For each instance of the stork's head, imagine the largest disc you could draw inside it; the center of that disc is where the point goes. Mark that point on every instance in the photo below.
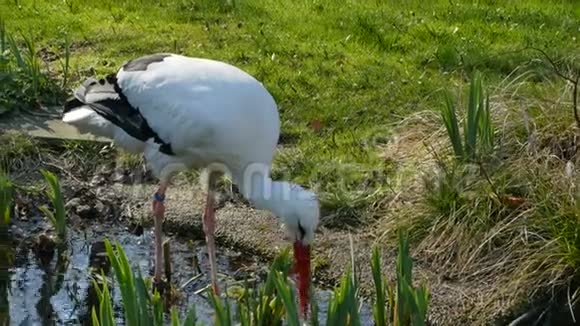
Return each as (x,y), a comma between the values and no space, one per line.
(299,212)
(300,219)
(300,216)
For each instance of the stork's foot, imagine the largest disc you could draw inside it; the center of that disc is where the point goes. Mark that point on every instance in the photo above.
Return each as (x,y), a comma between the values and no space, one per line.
(161,286)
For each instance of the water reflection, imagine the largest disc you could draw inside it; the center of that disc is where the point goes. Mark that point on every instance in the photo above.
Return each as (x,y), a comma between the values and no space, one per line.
(6,263)
(58,289)
(52,282)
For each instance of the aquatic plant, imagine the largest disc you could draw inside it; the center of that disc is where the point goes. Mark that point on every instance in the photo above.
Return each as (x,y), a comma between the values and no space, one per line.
(409,304)
(140,307)
(273,301)
(6,190)
(58,217)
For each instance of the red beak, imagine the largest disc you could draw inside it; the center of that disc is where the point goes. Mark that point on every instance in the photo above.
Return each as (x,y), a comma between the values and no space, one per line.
(302,268)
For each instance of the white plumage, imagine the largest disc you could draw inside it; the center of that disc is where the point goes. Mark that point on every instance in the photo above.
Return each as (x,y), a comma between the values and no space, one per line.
(183,112)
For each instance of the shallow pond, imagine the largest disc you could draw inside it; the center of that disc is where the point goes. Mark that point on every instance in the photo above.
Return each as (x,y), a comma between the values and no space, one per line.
(59,291)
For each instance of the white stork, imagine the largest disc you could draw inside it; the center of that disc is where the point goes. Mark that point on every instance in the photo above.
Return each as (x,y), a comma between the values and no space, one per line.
(183,112)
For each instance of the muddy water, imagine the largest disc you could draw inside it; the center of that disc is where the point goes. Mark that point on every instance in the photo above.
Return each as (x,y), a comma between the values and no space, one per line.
(58,291)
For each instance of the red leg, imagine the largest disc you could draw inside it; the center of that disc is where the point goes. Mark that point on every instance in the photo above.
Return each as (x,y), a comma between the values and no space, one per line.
(158,214)
(209,229)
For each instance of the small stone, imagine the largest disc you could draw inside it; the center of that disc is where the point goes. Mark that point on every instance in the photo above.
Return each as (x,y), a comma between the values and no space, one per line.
(44,247)
(84,211)
(101,192)
(104,169)
(118,176)
(97,180)
(17,232)
(221,199)
(100,208)
(73,203)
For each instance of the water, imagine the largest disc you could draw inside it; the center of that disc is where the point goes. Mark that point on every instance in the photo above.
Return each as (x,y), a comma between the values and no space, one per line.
(59,291)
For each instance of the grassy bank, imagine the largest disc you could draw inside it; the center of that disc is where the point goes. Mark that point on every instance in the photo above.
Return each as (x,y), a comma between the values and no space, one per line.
(356,68)
(360,86)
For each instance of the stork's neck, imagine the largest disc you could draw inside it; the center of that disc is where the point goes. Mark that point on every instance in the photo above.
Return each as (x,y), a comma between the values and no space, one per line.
(279,197)
(296,207)
(266,194)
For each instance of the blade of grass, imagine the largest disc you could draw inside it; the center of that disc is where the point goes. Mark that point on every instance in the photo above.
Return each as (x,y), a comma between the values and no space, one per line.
(287,294)
(379,304)
(449,117)
(471,124)
(6,193)
(191,318)
(143,300)
(16,53)
(66,65)
(221,316)
(174,317)
(95,318)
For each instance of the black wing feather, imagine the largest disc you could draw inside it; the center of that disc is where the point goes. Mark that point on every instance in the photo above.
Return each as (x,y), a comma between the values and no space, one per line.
(106,98)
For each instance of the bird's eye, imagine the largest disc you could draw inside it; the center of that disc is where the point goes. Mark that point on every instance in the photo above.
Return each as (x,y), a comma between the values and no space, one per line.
(302,231)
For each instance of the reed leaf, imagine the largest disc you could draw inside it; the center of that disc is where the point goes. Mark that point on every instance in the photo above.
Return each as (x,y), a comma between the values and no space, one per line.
(58,216)
(105,314)
(287,294)
(449,117)
(379,305)
(126,283)
(6,193)
(191,317)
(157,303)
(478,130)
(66,64)
(313,308)
(174,317)
(471,123)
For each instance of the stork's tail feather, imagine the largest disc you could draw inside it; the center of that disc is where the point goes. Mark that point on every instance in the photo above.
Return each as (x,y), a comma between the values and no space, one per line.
(79,109)
(81,92)
(79,96)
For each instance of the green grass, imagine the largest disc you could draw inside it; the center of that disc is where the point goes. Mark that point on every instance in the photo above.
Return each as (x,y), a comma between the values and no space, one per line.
(356,67)
(365,72)
(26,85)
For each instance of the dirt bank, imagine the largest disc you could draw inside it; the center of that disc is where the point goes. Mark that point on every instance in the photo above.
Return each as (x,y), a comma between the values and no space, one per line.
(98,192)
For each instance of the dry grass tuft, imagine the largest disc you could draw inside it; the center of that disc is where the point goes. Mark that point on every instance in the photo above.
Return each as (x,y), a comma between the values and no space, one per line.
(507,225)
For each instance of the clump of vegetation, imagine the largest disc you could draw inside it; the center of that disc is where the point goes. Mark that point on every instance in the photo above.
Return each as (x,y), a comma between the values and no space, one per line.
(406,305)
(272,302)
(15,150)
(478,130)
(140,307)
(25,84)
(58,216)
(503,208)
